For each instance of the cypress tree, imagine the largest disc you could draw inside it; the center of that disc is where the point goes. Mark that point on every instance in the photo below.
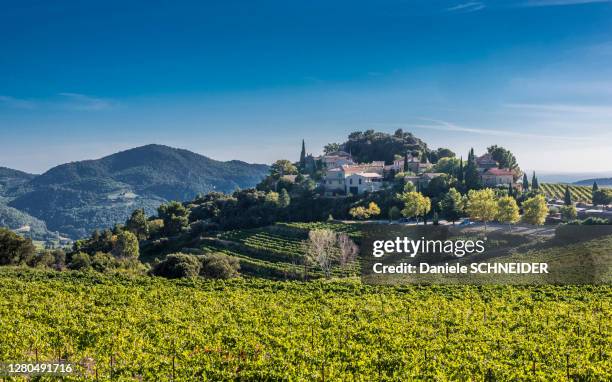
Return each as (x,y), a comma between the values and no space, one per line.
(460,174)
(406,162)
(472,178)
(423,157)
(303,156)
(525,183)
(567,198)
(594,191)
(534,182)
(510,190)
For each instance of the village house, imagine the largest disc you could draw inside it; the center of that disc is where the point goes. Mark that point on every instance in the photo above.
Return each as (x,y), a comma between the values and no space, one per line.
(491,175)
(413,164)
(336,159)
(497,176)
(485,162)
(354,178)
(422,181)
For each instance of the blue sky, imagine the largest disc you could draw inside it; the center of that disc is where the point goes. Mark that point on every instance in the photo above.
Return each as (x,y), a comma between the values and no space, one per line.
(249,79)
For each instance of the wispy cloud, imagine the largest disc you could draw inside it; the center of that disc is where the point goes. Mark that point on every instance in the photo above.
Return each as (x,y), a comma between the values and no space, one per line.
(62,101)
(76,101)
(555,3)
(436,124)
(16,103)
(471,6)
(563,108)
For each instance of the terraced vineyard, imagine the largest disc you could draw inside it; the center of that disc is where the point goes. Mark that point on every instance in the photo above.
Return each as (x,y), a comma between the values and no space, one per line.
(276,251)
(557,191)
(152,329)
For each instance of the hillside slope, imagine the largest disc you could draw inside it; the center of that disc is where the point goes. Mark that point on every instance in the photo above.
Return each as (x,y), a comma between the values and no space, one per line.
(11,179)
(602,182)
(75,198)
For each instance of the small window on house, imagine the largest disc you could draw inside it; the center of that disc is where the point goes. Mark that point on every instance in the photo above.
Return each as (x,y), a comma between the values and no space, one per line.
(351,181)
(359,181)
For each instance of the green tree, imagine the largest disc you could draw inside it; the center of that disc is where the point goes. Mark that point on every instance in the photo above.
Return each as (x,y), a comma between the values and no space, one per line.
(482,206)
(568,212)
(178,265)
(503,157)
(80,261)
(284,200)
(14,249)
(102,262)
(272,198)
(126,245)
(535,210)
(219,266)
(331,147)
(567,197)
(601,197)
(362,213)
(472,177)
(138,224)
(534,182)
(374,209)
(303,156)
(507,211)
(423,157)
(415,204)
(451,205)
(525,183)
(282,167)
(447,165)
(175,217)
(394,213)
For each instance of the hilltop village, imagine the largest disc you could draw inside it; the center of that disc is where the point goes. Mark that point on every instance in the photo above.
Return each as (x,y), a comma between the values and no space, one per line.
(338,173)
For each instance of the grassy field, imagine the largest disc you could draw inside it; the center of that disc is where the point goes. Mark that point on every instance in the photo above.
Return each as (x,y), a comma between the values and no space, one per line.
(147,328)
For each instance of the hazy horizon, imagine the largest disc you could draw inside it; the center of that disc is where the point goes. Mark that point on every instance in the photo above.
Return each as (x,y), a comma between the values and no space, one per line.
(249,81)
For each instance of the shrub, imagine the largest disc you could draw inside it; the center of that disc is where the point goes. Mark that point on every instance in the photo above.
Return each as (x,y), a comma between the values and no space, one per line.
(102,262)
(14,249)
(45,260)
(394,213)
(178,265)
(568,213)
(80,261)
(219,266)
(126,245)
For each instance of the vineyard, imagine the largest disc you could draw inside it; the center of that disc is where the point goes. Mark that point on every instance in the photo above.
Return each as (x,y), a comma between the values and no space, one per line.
(557,191)
(145,328)
(276,251)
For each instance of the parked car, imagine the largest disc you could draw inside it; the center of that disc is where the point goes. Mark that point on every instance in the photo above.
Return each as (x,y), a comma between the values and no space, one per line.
(466,222)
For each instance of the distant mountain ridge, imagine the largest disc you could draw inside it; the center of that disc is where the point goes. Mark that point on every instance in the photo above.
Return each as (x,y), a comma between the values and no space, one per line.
(10,178)
(76,198)
(603,182)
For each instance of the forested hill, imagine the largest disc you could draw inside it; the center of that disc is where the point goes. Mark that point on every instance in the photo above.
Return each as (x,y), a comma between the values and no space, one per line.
(75,198)
(10,179)
(604,182)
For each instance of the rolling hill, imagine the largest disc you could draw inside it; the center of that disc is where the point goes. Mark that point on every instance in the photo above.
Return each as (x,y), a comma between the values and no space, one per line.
(76,198)
(11,179)
(602,182)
